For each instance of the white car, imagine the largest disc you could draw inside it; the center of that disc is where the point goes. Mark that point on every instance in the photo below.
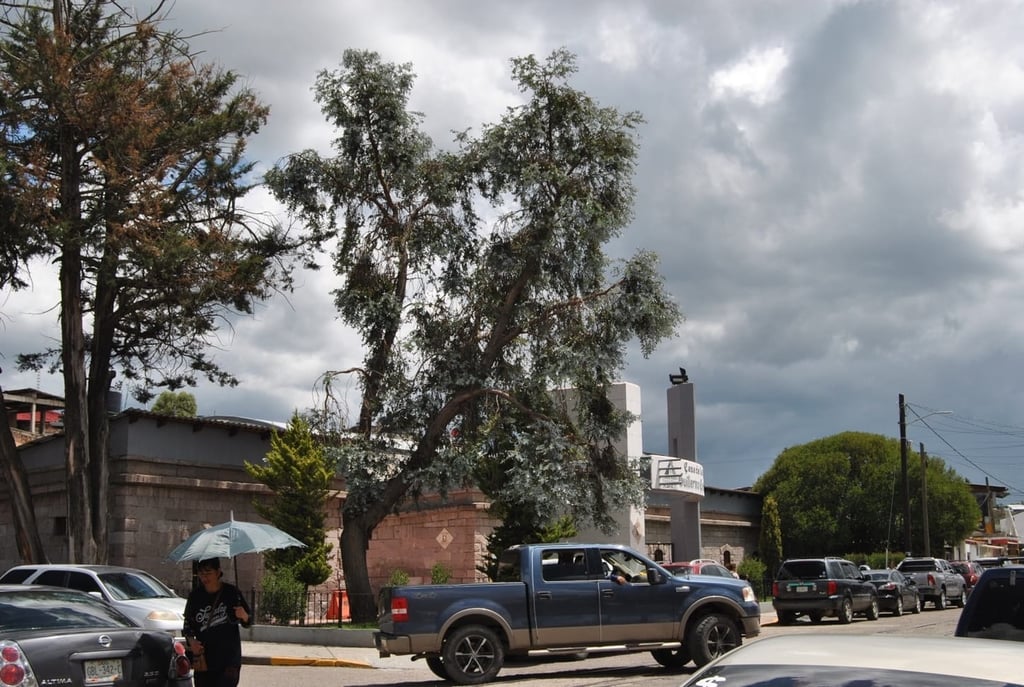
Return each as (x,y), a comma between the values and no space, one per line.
(135,593)
(866,660)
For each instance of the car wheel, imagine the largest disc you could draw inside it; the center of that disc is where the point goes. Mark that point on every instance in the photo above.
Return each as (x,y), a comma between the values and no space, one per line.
(436,666)
(472,655)
(940,601)
(845,613)
(872,612)
(671,658)
(787,618)
(815,616)
(898,611)
(962,599)
(712,636)
(917,604)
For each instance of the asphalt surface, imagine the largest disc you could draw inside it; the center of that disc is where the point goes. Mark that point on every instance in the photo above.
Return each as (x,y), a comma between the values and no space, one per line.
(286,654)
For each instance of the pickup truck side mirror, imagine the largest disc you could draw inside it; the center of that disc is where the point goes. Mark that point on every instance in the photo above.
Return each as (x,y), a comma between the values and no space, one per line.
(654,576)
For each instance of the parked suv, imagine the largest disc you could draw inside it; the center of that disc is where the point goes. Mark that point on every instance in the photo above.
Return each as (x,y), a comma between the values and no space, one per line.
(819,587)
(970,571)
(136,593)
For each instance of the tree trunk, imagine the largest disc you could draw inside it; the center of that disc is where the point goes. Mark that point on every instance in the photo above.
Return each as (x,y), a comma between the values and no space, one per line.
(26,530)
(355,540)
(100,378)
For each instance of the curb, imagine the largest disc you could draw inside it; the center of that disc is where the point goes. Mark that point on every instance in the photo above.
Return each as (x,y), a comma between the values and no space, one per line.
(293,661)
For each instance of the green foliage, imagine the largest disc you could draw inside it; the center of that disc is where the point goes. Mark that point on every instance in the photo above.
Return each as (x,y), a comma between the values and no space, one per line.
(751,568)
(440,573)
(841,493)
(398,578)
(180,404)
(284,597)
(478,282)
(299,472)
(770,539)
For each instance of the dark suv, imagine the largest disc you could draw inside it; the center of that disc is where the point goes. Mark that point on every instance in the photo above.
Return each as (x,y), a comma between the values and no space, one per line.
(819,587)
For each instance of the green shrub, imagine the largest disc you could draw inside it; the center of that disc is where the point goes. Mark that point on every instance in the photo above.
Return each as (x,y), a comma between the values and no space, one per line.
(440,574)
(398,578)
(751,568)
(284,597)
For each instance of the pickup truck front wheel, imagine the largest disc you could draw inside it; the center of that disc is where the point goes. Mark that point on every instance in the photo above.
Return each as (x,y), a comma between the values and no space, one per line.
(436,666)
(712,636)
(472,655)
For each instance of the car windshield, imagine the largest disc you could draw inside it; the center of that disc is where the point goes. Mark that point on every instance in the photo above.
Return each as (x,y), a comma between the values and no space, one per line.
(54,610)
(130,585)
(802,570)
(879,576)
(917,566)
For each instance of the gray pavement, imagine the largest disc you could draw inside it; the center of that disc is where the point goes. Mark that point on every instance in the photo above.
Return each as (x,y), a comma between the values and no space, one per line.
(312,653)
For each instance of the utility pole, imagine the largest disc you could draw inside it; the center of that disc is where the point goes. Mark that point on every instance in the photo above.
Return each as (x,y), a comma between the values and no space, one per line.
(924,501)
(906,482)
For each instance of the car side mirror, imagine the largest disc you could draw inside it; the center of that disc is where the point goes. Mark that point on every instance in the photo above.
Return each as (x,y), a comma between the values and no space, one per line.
(654,576)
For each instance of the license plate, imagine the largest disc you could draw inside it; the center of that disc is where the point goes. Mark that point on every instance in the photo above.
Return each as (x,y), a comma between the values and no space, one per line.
(102,671)
(801,587)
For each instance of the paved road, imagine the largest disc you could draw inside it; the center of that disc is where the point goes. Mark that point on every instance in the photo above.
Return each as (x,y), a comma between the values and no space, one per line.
(630,670)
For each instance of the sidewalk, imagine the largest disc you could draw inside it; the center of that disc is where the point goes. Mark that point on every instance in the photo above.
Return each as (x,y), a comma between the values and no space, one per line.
(292,654)
(275,654)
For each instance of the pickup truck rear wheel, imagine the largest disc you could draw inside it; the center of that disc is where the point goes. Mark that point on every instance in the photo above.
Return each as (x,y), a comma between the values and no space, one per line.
(712,636)
(940,600)
(672,658)
(472,655)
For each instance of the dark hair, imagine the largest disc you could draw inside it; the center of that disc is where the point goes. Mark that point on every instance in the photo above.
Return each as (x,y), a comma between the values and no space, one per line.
(209,564)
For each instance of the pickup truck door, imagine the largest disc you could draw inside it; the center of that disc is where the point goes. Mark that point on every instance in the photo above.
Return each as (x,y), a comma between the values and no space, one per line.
(565,599)
(636,611)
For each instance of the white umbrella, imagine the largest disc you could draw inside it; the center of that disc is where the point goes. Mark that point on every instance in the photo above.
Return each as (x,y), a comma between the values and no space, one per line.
(230,539)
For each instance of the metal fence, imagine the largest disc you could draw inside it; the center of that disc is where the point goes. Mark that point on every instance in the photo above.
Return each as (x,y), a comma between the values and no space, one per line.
(308,608)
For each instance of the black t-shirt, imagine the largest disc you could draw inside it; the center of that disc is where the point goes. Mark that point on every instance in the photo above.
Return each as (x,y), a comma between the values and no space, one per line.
(210,618)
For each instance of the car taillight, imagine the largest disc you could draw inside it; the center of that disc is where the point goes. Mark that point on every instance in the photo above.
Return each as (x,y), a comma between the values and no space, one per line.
(775,588)
(181,666)
(14,668)
(833,587)
(931,580)
(399,609)
(888,586)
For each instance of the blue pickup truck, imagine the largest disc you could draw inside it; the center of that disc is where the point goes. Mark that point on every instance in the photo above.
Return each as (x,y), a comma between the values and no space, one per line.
(566,599)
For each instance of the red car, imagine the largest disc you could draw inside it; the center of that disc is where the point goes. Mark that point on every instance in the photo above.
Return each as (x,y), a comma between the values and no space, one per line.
(699,566)
(969,570)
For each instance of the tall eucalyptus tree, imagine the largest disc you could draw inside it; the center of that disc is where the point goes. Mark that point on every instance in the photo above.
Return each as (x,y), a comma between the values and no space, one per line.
(478,280)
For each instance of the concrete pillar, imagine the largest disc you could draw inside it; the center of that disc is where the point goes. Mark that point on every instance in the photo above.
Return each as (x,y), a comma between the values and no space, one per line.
(682,443)
(630,527)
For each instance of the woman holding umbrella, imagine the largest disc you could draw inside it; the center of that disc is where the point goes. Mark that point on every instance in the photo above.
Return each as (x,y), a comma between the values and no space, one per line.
(213,612)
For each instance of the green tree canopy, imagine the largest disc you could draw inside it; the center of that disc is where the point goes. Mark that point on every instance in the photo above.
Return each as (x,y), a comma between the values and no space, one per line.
(841,494)
(178,404)
(299,472)
(479,282)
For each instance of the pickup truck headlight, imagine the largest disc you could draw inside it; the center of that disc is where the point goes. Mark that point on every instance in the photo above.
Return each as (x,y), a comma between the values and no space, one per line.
(748,593)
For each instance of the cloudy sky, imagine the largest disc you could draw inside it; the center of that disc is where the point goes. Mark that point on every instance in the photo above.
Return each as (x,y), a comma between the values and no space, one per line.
(834,189)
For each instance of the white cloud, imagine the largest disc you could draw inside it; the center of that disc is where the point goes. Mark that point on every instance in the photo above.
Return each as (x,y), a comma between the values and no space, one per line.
(755,76)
